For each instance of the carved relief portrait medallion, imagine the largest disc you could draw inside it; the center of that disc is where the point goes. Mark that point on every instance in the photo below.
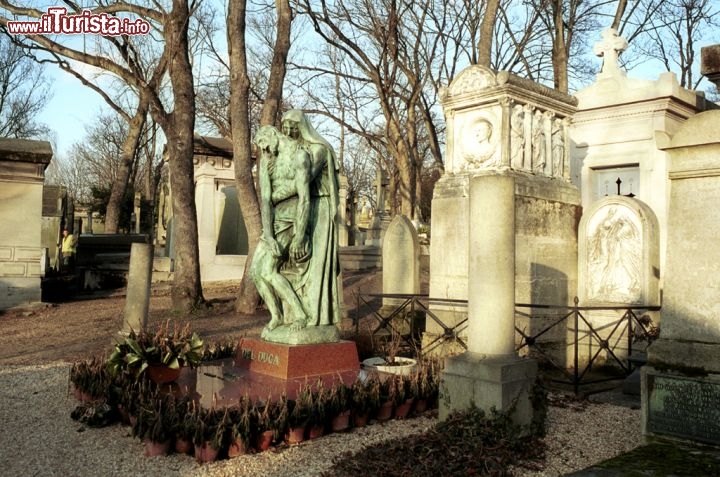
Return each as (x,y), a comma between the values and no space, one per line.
(478,142)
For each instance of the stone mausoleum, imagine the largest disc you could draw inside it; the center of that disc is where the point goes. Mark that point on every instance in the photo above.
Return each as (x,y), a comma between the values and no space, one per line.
(23,259)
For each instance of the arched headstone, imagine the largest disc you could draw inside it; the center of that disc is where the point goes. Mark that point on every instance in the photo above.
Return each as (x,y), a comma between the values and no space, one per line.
(401,258)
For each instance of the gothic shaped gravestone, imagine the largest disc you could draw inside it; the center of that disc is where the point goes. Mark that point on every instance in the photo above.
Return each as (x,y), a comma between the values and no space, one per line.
(618,264)
(401,259)
(619,253)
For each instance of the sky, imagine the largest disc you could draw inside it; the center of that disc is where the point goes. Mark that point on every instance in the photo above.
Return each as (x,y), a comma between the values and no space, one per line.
(72,107)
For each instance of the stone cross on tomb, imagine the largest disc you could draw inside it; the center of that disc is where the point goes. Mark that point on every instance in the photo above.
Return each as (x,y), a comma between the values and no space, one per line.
(380,184)
(610,48)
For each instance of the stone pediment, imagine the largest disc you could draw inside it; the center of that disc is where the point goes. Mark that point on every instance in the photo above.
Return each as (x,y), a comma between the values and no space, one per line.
(470,80)
(476,79)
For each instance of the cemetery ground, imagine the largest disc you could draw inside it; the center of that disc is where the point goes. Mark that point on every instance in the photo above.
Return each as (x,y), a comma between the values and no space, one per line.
(40,342)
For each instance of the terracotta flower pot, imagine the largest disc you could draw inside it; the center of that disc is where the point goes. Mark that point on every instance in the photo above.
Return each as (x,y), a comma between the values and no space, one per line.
(385,411)
(341,421)
(402,411)
(295,435)
(421,406)
(183,446)
(316,431)
(153,448)
(264,440)
(237,447)
(206,452)
(360,420)
(161,374)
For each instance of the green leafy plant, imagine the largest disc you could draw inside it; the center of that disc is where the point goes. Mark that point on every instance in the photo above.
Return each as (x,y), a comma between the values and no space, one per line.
(173,348)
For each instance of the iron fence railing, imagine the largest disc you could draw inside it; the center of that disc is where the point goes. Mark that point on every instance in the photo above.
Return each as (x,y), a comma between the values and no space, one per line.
(631,326)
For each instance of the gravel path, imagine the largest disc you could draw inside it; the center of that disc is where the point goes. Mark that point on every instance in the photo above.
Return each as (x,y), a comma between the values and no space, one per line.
(40,439)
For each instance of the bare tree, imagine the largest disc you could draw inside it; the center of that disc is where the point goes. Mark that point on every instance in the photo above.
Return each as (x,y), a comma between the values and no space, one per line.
(248,296)
(387,48)
(24,92)
(176,115)
(676,28)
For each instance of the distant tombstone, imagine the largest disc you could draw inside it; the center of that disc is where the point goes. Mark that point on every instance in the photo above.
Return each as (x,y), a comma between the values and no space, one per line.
(401,259)
(619,253)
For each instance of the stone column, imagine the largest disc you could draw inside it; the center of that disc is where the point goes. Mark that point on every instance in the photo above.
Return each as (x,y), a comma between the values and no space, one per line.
(137,300)
(205,203)
(491,291)
(137,210)
(489,374)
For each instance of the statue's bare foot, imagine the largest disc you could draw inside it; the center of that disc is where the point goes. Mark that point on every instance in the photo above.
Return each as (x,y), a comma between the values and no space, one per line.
(298,324)
(274,323)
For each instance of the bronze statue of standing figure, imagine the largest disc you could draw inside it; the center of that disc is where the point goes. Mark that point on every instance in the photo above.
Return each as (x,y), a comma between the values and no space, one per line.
(296,266)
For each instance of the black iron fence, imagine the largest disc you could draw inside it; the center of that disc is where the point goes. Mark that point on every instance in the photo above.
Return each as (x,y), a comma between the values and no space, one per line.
(630,325)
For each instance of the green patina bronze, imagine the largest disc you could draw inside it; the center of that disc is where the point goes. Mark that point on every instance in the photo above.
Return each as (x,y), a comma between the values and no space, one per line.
(295,266)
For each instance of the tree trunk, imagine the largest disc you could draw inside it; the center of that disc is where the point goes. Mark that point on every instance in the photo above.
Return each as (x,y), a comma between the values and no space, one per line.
(560,56)
(278,67)
(186,288)
(248,297)
(487,27)
(129,148)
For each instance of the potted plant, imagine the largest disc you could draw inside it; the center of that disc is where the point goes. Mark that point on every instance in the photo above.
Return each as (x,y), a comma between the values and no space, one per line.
(390,362)
(271,418)
(241,427)
(428,383)
(337,406)
(405,396)
(212,430)
(365,399)
(183,419)
(299,413)
(318,410)
(167,349)
(154,425)
(90,380)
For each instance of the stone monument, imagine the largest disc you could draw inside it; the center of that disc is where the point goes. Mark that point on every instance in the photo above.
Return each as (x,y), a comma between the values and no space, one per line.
(499,123)
(23,260)
(681,382)
(401,260)
(295,266)
(504,228)
(613,148)
(490,374)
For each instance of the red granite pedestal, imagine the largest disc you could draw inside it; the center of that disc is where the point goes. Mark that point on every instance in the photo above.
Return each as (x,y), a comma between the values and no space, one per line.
(263,370)
(297,361)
